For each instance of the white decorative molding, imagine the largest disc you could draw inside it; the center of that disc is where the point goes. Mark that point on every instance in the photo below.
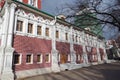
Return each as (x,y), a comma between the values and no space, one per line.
(20,12)
(31,16)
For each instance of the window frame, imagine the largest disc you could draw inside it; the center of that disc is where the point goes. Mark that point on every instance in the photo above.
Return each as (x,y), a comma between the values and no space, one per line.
(20,58)
(47,31)
(30,28)
(57,34)
(31,59)
(66,36)
(40,59)
(39,30)
(20,27)
(48,60)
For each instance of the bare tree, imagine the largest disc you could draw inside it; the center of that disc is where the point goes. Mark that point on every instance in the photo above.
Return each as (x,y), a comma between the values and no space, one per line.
(109,15)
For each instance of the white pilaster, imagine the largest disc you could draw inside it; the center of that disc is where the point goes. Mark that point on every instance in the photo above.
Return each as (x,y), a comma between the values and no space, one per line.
(7,50)
(4,39)
(11,22)
(72,52)
(55,57)
(85,56)
(98,55)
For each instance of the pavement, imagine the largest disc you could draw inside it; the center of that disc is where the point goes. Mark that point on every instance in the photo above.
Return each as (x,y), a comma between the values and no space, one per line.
(108,71)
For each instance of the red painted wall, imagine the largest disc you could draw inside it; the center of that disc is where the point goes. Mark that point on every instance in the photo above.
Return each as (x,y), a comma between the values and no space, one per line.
(39,3)
(63,47)
(25,45)
(25,1)
(78,49)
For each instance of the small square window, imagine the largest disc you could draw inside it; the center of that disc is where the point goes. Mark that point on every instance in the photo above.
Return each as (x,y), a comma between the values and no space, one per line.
(29,58)
(17,59)
(47,58)
(39,58)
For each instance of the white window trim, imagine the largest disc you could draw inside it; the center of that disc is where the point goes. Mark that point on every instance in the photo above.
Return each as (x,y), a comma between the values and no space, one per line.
(31,59)
(20,59)
(41,58)
(69,57)
(48,59)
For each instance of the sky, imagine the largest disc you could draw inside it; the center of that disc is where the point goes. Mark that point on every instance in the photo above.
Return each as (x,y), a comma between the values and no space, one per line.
(50,6)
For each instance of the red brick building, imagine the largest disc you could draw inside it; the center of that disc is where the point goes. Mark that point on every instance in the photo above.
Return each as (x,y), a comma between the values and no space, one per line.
(33,42)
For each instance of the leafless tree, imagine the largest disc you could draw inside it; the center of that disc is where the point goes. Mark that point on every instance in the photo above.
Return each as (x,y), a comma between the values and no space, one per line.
(109,15)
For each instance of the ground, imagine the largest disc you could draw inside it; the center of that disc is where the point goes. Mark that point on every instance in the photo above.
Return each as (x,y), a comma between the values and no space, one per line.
(108,71)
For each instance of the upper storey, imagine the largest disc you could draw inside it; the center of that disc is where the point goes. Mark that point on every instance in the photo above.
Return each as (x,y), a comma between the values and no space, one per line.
(34,3)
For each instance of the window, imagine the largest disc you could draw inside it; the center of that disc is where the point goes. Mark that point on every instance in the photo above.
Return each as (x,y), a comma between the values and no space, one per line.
(47,58)
(47,32)
(33,2)
(17,59)
(29,58)
(73,37)
(39,30)
(66,36)
(39,58)
(19,25)
(57,34)
(79,58)
(76,39)
(30,28)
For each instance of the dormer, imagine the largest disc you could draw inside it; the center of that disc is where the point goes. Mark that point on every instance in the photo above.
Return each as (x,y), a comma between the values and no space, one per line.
(34,3)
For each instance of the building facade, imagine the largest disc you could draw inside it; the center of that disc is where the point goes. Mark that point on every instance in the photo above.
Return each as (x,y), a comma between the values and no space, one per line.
(33,42)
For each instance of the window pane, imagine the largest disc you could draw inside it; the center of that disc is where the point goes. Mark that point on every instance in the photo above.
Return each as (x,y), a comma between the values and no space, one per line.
(39,58)
(57,34)
(30,28)
(28,58)
(66,36)
(19,25)
(39,31)
(76,39)
(47,58)
(47,32)
(17,59)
